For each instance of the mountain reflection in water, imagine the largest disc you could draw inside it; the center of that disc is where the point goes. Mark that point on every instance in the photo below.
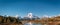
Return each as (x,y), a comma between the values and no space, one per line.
(32,23)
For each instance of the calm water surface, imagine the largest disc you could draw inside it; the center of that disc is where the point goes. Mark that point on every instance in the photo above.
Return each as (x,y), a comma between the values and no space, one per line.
(32,23)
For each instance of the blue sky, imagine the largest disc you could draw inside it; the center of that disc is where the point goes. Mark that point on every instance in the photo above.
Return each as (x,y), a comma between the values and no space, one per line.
(23,7)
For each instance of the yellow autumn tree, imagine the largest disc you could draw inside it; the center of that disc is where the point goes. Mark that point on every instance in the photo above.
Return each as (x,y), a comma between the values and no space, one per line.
(1,18)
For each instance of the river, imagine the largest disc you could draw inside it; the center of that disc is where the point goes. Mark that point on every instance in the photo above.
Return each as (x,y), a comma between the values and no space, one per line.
(32,23)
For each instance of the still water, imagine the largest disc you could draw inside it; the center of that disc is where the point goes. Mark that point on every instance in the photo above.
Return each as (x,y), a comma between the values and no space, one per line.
(32,23)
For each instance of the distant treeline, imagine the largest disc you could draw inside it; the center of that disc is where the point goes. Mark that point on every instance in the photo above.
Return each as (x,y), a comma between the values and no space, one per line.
(9,19)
